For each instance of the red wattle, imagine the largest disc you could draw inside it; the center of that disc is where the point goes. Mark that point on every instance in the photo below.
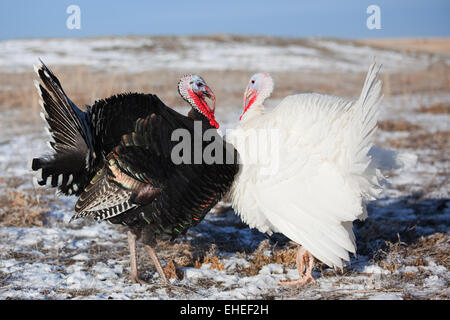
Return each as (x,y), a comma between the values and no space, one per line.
(214,123)
(204,108)
(252,100)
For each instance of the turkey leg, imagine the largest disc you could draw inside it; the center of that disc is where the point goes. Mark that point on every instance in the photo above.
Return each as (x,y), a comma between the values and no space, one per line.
(305,264)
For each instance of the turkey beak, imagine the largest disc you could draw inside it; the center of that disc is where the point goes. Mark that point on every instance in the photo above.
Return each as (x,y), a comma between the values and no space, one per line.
(248,94)
(211,99)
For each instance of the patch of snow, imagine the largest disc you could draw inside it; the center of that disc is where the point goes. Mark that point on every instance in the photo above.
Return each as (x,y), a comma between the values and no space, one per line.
(375,270)
(386,296)
(272,268)
(135,54)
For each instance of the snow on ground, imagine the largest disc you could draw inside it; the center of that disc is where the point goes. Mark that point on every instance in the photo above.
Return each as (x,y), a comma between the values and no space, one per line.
(136,54)
(90,260)
(403,246)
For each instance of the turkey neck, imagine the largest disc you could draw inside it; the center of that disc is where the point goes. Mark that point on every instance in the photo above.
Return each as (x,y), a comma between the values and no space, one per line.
(198,116)
(254,111)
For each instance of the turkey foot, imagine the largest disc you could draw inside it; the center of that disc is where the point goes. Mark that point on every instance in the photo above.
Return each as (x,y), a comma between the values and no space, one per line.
(305,264)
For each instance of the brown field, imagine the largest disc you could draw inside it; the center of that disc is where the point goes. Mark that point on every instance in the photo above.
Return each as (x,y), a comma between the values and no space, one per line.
(431,45)
(84,86)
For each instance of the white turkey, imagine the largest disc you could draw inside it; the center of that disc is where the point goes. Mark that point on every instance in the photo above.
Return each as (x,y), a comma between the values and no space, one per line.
(308,168)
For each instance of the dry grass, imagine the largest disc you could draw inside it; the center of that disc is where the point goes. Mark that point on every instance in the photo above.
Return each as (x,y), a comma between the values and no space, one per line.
(84,86)
(186,254)
(214,261)
(435,247)
(439,140)
(437,108)
(172,272)
(258,259)
(210,257)
(430,45)
(21,209)
(399,125)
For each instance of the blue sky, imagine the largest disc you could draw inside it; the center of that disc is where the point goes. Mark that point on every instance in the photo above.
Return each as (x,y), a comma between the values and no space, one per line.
(289,18)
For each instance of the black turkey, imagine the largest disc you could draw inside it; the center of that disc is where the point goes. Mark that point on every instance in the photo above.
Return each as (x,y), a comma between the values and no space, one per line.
(117,157)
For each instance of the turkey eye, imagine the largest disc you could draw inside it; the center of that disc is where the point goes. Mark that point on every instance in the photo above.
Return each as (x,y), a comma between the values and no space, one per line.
(253,81)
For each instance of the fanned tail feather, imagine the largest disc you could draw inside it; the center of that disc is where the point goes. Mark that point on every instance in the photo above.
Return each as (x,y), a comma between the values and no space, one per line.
(365,117)
(70,138)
